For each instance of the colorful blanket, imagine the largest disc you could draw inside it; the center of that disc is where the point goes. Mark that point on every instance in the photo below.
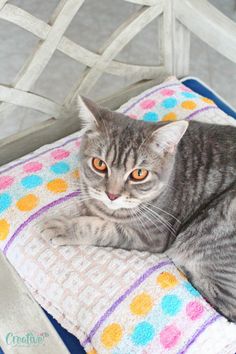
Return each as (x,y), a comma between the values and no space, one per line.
(114,301)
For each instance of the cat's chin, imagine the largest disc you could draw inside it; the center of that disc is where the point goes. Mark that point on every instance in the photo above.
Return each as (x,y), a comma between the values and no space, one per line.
(116,205)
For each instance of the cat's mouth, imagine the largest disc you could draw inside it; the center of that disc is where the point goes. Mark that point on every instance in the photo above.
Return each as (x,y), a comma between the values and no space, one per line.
(120,203)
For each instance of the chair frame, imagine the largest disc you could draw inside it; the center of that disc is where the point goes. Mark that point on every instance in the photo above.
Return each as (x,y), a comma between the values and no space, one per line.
(177,19)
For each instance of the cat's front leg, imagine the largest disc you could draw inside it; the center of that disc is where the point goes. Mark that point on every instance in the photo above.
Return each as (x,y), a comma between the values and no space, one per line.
(83,230)
(56,226)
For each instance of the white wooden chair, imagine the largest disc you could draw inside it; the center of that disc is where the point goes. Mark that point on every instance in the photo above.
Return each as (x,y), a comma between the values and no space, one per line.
(177,19)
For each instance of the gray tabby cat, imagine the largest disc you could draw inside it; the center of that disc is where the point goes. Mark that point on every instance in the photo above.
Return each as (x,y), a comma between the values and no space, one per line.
(159,187)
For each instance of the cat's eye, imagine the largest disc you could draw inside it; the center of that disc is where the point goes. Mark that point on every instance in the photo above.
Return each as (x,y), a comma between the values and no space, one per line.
(99,165)
(139,174)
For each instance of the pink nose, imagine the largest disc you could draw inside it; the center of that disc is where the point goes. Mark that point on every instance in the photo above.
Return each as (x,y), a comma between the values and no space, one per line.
(112,196)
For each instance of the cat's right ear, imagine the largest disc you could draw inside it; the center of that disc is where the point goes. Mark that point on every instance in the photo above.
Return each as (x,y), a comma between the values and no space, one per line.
(87,111)
(167,137)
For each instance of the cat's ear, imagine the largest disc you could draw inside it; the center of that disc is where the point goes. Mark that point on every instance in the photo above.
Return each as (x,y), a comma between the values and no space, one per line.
(87,111)
(167,137)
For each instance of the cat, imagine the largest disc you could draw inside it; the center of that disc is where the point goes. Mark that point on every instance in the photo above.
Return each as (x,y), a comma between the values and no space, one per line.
(158,187)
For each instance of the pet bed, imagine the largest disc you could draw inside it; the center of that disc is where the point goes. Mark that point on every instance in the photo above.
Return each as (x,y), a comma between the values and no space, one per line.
(114,301)
(176,19)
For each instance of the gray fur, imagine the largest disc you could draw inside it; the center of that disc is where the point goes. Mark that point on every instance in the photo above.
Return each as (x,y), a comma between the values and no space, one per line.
(186,208)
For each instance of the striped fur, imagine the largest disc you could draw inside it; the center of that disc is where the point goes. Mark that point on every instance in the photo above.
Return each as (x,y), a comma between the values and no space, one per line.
(187,205)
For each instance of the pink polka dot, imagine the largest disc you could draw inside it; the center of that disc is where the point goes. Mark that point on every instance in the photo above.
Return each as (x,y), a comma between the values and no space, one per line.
(60,154)
(194,310)
(6,181)
(77,143)
(133,116)
(147,104)
(185,88)
(169,336)
(32,167)
(167,92)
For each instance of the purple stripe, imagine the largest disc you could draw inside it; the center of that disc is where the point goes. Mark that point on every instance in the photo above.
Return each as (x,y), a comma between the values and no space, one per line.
(149,94)
(34,156)
(111,309)
(36,215)
(200,110)
(199,332)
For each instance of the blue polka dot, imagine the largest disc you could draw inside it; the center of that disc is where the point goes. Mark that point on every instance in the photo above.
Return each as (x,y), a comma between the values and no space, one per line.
(191,289)
(169,102)
(189,94)
(5,201)
(31,181)
(171,304)
(60,168)
(150,117)
(143,333)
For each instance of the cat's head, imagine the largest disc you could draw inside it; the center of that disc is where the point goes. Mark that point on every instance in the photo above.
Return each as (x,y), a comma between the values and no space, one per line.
(125,162)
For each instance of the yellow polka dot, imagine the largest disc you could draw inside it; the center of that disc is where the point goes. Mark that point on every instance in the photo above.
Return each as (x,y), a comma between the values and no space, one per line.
(93,351)
(169,116)
(167,280)
(111,335)
(4,229)
(57,185)
(207,100)
(188,104)
(141,304)
(76,174)
(27,203)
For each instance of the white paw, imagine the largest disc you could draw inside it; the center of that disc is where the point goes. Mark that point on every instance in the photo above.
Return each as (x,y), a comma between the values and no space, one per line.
(64,240)
(51,229)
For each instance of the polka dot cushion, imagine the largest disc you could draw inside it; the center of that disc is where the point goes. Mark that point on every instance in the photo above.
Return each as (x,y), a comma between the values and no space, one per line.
(114,301)
(173,101)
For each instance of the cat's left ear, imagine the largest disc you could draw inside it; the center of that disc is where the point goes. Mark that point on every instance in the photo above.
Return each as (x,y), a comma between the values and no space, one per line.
(87,111)
(168,137)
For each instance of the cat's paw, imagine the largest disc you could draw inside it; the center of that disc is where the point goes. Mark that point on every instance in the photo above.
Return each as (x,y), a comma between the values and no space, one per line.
(51,229)
(65,240)
(60,232)
(78,233)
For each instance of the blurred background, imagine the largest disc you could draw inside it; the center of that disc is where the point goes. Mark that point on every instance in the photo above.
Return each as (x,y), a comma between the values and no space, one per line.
(90,28)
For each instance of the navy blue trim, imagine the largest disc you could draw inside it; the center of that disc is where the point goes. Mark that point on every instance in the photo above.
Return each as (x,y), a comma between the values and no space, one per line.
(70,341)
(201,89)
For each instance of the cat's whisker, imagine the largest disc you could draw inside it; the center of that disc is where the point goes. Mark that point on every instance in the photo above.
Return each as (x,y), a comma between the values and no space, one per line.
(169,186)
(161,220)
(138,215)
(145,216)
(143,213)
(164,211)
(159,216)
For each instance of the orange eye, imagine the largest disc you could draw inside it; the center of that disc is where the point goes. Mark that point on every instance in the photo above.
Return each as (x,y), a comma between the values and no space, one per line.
(139,175)
(99,165)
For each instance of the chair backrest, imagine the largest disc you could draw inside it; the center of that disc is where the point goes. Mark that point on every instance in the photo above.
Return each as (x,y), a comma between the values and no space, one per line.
(176,19)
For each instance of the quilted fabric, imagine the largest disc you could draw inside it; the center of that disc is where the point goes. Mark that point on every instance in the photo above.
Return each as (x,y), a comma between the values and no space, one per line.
(114,301)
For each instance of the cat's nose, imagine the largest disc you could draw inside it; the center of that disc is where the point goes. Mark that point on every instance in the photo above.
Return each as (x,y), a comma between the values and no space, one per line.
(112,196)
